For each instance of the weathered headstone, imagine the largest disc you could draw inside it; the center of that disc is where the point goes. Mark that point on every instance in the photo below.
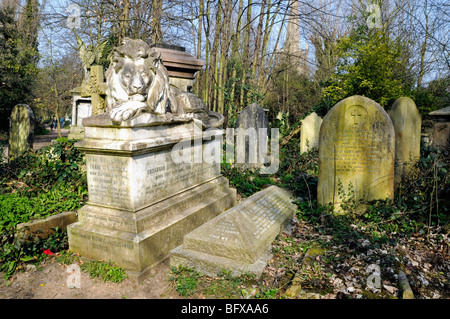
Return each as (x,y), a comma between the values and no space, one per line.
(441,128)
(356,153)
(239,240)
(251,132)
(309,136)
(407,125)
(147,185)
(21,129)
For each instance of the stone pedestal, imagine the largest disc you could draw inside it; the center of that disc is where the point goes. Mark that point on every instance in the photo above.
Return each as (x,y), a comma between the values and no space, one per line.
(142,199)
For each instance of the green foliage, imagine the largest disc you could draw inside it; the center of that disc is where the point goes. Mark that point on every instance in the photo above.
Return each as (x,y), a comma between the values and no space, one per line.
(55,166)
(15,209)
(37,185)
(291,93)
(104,270)
(18,60)
(247,182)
(371,65)
(14,252)
(185,279)
(298,172)
(433,97)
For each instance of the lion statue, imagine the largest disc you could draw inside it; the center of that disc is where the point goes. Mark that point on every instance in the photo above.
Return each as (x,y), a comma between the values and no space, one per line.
(137,82)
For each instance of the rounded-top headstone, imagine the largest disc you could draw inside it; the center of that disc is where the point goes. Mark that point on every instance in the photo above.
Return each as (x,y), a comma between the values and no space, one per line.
(21,129)
(309,137)
(356,153)
(407,125)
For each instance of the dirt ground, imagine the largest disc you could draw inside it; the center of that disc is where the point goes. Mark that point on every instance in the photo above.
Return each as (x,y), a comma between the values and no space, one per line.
(49,281)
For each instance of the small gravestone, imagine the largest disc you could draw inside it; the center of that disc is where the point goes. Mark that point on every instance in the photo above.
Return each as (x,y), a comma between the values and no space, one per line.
(441,129)
(356,153)
(21,129)
(239,240)
(309,137)
(251,126)
(407,125)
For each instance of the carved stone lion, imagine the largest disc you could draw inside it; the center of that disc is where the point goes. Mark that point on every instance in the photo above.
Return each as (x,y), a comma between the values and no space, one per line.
(137,82)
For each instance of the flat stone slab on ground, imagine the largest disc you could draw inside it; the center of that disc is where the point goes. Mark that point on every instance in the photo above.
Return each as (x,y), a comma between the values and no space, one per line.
(239,240)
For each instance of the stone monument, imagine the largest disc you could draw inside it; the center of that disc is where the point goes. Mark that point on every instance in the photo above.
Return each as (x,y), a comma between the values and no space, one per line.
(356,153)
(408,128)
(249,125)
(21,129)
(180,65)
(89,98)
(142,199)
(441,128)
(240,239)
(309,136)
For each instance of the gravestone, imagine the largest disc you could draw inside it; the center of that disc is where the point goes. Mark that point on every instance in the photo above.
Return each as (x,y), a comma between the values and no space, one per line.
(21,129)
(356,153)
(441,128)
(251,132)
(407,125)
(239,240)
(147,186)
(309,136)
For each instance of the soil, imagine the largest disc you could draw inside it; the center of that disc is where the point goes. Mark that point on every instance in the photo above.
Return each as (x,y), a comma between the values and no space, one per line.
(49,281)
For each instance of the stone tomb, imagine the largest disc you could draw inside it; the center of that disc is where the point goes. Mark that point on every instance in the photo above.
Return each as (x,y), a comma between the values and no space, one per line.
(238,240)
(407,125)
(141,201)
(309,137)
(21,129)
(356,153)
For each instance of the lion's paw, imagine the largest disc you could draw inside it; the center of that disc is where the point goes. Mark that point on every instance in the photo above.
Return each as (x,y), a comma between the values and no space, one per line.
(126,111)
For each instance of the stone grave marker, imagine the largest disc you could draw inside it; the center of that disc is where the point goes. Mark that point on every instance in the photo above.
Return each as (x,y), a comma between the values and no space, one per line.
(251,122)
(239,240)
(356,153)
(309,136)
(407,125)
(441,128)
(21,129)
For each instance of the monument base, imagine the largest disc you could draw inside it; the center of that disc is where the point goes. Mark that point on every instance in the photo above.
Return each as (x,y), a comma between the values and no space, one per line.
(211,265)
(76,132)
(138,241)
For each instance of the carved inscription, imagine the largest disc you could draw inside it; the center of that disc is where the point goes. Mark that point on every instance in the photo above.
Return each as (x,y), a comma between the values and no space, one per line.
(264,213)
(356,151)
(164,177)
(107,180)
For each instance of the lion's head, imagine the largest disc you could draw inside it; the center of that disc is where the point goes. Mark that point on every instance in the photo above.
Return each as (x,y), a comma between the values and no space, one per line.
(136,81)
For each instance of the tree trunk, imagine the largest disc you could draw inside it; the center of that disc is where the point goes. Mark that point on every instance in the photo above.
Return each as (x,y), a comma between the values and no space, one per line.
(245,56)
(156,21)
